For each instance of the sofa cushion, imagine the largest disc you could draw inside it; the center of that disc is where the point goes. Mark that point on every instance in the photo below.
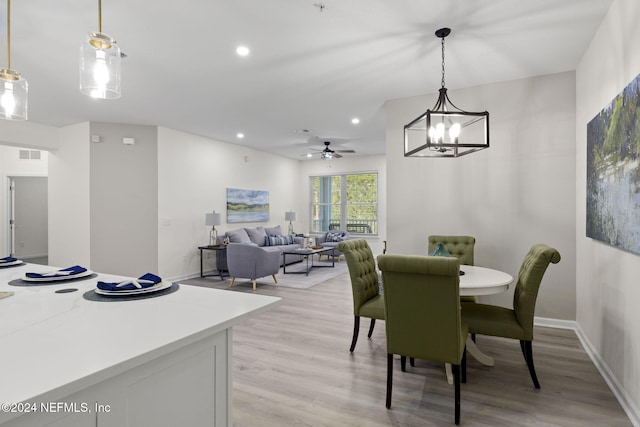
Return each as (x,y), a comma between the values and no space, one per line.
(273,231)
(257,235)
(278,240)
(335,237)
(238,236)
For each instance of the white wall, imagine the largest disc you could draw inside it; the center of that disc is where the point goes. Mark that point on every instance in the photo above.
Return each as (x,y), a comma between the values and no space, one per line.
(28,134)
(124,199)
(69,192)
(193,175)
(519,192)
(11,165)
(346,164)
(608,289)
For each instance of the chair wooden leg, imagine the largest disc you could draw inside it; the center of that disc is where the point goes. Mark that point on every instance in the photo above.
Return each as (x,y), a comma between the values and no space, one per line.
(464,365)
(403,363)
(356,329)
(528,357)
(456,381)
(233,279)
(373,323)
(275,279)
(412,361)
(254,284)
(389,378)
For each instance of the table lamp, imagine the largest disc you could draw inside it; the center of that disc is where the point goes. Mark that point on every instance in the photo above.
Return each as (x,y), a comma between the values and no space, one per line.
(290,216)
(213,219)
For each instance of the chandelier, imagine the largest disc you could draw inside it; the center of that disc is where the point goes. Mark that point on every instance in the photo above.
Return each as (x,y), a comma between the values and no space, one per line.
(446,130)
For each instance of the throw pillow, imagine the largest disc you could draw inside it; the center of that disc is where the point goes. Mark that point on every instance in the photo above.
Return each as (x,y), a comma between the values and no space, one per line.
(334,237)
(238,236)
(273,231)
(278,240)
(256,235)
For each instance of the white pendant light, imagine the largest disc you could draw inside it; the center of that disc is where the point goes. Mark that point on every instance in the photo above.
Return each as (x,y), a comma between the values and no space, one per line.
(100,64)
(13,87)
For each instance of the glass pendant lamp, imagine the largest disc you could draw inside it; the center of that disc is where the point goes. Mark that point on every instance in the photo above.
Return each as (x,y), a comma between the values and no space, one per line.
(100,60)
(13,87)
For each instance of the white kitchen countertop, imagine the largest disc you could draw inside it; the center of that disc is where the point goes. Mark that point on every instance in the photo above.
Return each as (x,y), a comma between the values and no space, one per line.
(52,345)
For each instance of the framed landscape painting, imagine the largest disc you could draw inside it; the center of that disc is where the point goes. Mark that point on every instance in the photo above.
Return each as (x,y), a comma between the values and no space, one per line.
(613,172)
(247,205)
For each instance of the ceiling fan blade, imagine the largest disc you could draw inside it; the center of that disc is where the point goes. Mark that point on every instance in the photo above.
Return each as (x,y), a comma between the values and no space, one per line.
(345,151)
(336,155)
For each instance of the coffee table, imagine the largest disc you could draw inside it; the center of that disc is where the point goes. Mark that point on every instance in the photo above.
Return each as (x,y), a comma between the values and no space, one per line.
(307,253)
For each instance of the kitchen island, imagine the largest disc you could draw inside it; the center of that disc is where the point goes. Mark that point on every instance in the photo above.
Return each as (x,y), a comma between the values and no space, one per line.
(66,360)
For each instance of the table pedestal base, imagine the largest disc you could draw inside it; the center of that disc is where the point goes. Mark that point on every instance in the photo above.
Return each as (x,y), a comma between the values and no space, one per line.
(474,351)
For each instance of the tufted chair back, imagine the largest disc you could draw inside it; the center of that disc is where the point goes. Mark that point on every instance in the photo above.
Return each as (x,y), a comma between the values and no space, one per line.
(530,276)
(362,270)
(458,246)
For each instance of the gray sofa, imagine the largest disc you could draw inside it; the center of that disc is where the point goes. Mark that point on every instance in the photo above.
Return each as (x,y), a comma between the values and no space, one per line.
(257,244)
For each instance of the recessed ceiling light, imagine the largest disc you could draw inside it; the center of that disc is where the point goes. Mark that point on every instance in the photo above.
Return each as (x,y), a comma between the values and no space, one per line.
(240,135)
(355,120)
(242,50)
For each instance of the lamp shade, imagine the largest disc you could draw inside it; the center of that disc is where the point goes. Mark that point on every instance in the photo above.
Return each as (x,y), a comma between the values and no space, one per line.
(213,219)
(290,216)
(100,67)
(13,95)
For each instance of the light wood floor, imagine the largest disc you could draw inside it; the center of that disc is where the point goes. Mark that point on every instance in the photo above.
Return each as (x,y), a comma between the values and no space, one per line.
(293,368)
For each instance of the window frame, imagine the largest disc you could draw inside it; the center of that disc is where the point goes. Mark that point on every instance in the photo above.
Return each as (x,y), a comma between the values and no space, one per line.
(343,204)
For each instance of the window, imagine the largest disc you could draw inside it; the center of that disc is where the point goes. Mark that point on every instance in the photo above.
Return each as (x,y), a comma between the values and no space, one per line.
(345,202)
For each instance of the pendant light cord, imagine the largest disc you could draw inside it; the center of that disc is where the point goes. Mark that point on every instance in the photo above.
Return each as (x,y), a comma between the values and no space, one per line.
(99,16)
(442,39)
(8,34)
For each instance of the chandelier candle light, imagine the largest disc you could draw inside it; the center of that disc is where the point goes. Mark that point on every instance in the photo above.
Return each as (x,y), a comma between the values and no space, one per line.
(213,219)
(100,60)
(13,87)
(446,130)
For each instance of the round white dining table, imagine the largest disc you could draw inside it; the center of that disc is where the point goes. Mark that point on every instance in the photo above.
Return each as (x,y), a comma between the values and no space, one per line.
(478,281)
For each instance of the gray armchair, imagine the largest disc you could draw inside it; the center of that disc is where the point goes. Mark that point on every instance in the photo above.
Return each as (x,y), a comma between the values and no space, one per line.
(251,262)
(326,240)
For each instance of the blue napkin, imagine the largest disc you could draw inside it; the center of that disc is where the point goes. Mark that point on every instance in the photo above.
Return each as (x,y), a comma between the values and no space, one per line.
(141,282)
(65,272)
(8,259)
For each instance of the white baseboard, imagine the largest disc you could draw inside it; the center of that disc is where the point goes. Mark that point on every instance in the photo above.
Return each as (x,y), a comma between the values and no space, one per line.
(33,256)
(618,391)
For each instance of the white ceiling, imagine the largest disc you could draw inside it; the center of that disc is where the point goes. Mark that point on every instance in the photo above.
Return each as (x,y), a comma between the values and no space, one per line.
(307,69)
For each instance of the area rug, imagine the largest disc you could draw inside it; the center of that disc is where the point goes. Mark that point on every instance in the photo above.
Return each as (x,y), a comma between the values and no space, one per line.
(297,281)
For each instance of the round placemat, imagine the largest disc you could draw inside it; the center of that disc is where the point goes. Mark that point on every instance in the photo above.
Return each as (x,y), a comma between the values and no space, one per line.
(20,282)
(13,265)
(93,296)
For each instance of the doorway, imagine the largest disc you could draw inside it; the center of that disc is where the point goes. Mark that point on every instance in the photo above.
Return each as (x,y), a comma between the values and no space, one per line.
(28,218)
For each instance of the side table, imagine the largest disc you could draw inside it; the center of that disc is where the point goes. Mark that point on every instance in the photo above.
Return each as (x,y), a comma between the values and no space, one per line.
(211,248)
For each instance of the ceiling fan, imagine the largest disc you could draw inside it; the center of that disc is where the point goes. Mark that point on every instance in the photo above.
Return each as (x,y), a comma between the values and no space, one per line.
(328,153)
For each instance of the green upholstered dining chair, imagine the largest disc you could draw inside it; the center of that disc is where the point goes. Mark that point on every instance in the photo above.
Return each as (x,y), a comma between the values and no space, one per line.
(458,246)
(367,300)
(516,323)
(422,314)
